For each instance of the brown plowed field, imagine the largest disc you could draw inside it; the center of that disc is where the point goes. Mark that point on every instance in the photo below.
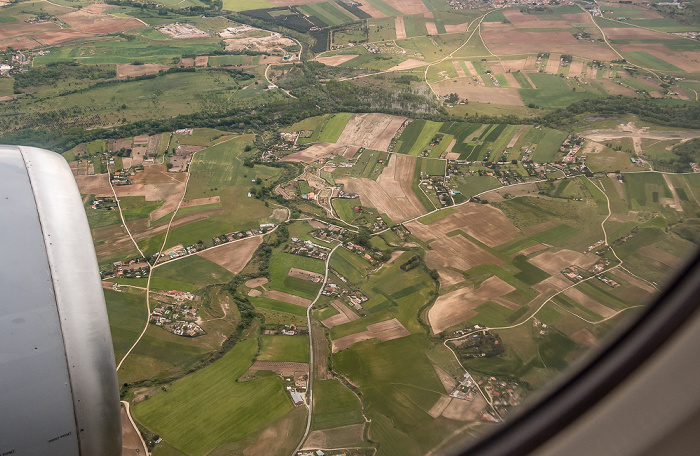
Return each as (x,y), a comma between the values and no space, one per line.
(16,29)
(350,436)
(18,42)
(458,28)
(481,221)
(552,64)
(520,20)
(505,39)
(480,94)
(589,303)
(584,337)
(460,305)
(201,61)
(554,262)
(459,69)
(280,367)
(131,443)
(125,70)
(59,36)
(463,410)
(384,330)
(99,8)
(686,60)
(440,406)
(286,297)
(511,81)
(97,184)
(254,283)
(391,194)
(407,65)
(315,152)
(371,10)
(400,28)
(575,69)
(513,65)
(666,258)
(634,33)
(201,201)
(305,275)
(99,23)
(578,18)
(431,27)
(371,131)
(336,60)
(233,256)
(408,7)
(344,310)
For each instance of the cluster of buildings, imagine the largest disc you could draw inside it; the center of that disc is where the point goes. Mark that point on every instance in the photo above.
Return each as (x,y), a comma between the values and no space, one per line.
(371,255)
(121,177)
(596,245)
(572,273)
(228,237)
(289,136)
(129,269)
(503,394)
(608,281)
(465,388)
(308,249)
(177,318)
(570,148)
(328,234)
(104,203)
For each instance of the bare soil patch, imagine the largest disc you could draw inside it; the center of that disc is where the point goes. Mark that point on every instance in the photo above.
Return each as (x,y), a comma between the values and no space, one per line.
(520,20)
(126,70)
(431,27)
(201,201)
(340,437)
(408,7)
(384,331)
(233,256)
(617,89)
(553,262)
(369,9)
(315,152)
(372,131)
(505,39)
(131,443)
(201,61)
(97,184)
(452,155)
(589,303)
(88,22)
(336,60)
(552,66)
(391,194)
(17,29)
(400,28)
(463,410)
(457,28)
(305,275)
(533,249)
(585,337)
(478,93)
(280,367)
(407,65)
(575,69)
(666,258)
(270,44)
(440,406)
(460,305)
(254,283)
(59,36)
(511,80)
(481,221)
(18,42)
(634,33)
(286,297)
(255,293)
(99,8)
(458,69)
(446,379)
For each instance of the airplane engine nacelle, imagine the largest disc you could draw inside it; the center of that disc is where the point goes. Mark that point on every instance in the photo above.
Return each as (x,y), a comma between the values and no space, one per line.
(59,393)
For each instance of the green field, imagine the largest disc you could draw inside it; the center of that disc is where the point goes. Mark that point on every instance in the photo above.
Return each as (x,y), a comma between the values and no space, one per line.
(127,315)
(284,348)
(279,306)
(188,274)
(646,60)
(226,60)
(333,126)
(552,92)
(334,405)
(281,263)
(185,415)
(328,12)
